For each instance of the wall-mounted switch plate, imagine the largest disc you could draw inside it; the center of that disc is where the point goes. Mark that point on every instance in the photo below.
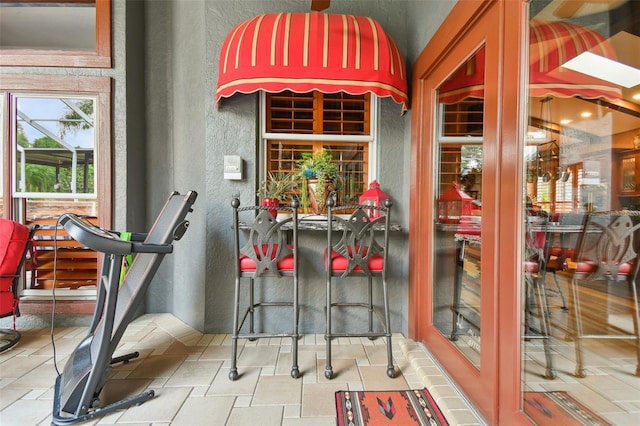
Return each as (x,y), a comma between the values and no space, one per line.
(233,167)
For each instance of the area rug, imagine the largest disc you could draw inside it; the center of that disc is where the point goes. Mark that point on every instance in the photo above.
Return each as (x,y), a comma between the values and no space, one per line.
(559,408)
(374,408)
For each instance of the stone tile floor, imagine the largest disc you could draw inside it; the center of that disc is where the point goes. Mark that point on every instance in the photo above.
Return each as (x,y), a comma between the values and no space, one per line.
(189,370)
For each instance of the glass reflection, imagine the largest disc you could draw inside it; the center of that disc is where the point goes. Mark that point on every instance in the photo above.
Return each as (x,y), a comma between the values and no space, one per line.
(580,307)
(456,299)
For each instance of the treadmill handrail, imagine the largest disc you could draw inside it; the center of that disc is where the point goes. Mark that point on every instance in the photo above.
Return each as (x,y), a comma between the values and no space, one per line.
(152,248)
(105,241)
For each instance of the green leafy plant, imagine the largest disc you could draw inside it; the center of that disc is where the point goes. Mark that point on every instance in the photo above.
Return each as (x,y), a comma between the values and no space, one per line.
(277,186)
(320,166)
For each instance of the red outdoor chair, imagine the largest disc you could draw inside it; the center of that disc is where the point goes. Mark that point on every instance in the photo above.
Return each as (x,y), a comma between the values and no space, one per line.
(15,242)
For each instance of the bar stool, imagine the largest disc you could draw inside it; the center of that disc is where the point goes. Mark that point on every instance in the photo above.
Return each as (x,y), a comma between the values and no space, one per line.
(265,253)
(608,254)
(536,242)
(358,253)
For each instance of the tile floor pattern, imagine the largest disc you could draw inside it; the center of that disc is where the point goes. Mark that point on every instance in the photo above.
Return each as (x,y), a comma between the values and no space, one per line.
(188,371)
(611,387)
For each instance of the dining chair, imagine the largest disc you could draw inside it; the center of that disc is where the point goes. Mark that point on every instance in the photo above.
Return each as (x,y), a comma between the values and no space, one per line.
(265,255)
(536,298)
(357,246)
(607,256)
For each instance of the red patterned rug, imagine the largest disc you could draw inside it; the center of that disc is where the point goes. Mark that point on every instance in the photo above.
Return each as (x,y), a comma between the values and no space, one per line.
(374,408)
(559,408)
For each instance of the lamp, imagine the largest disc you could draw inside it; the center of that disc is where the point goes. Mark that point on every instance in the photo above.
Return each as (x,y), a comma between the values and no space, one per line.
(374,196)
(453,204)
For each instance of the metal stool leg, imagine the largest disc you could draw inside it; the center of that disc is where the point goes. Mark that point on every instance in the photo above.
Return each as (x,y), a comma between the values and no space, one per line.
(636,322)
(577,330)
(545,326)
(370,282)
(233,371)
(328,371)
(252,305)
(391,371)
(295,371)
(560,292)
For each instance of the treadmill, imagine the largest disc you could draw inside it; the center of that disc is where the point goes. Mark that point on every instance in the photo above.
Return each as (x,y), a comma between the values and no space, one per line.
(77,389)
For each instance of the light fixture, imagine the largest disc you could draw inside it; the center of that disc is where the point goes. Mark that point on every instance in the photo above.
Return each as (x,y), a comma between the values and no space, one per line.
(636,97)
(565,121)
(540,132)
(604,69)
(585,114)
(537,135)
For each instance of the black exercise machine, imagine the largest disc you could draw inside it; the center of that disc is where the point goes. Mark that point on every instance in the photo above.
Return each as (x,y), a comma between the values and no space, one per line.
(78,388)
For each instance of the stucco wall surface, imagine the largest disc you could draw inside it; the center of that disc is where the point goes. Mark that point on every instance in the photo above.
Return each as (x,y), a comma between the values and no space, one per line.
(168,135)
(188,135)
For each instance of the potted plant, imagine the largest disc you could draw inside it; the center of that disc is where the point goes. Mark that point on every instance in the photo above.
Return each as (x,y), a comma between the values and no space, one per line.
(319,178)
(276,189)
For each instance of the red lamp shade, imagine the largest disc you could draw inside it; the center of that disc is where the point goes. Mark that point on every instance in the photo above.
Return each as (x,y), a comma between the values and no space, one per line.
(453,204)
(374,196)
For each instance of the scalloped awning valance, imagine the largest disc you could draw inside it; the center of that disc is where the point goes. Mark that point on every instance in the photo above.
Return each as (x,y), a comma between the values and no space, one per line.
(551,44)
(302,52)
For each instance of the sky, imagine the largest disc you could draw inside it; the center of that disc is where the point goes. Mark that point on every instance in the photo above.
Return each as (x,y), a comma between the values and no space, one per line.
(47,111)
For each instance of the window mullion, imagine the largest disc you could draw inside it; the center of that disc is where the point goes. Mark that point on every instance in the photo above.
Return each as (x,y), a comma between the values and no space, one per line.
(318,113)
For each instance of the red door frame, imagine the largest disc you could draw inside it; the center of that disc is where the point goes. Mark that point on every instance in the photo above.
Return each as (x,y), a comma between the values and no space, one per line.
(500,25)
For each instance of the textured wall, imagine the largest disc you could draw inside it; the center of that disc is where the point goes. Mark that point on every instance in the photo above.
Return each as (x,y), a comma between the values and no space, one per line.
(233,130)
(169,135)
(187,136)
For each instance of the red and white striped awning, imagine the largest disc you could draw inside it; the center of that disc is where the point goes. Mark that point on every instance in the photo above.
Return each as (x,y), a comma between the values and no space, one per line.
(552,43)
(302,52)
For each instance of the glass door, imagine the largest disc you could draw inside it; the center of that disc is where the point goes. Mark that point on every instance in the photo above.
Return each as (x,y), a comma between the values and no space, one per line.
(581,337)
(457,280)
(457,149)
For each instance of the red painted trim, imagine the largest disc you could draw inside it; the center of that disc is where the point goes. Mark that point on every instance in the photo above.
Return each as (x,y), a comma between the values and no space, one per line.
(499,26)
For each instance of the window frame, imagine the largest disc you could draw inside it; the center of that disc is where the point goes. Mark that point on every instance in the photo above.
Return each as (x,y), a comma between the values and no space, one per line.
(94,86)
(326,139)
(16,192)
(100,58)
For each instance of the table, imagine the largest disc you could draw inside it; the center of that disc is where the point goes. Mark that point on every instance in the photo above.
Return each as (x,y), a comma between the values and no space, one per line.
(319,223)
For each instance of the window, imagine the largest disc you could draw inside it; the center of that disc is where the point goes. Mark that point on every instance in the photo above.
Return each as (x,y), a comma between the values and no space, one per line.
(54,146)
(557,192)
(298,123)
(56,158)
(463,118)
(72,33)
